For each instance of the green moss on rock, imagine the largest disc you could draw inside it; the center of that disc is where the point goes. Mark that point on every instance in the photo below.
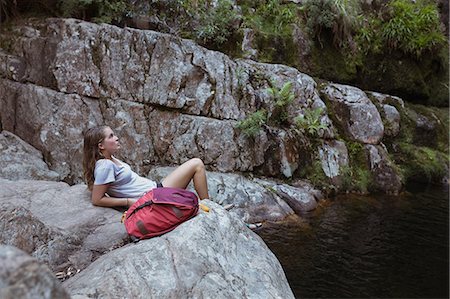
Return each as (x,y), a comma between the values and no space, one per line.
(426,161)
(421,163)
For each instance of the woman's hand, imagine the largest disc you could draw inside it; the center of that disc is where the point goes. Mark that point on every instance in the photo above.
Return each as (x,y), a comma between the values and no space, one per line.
(131,201)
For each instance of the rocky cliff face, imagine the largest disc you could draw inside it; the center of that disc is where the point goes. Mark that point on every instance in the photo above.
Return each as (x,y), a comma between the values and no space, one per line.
(170,100)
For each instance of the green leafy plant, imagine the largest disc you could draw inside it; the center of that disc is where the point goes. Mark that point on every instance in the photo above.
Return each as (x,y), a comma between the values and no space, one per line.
(209,23)
(269,17)
(102,11)
(413,27)
(310,122)
(368,37)
(422,162)
(355,151)
(282,97)
(251,125)
(241,75)
(314,173)
(339,16)
(110,10)
(356,178)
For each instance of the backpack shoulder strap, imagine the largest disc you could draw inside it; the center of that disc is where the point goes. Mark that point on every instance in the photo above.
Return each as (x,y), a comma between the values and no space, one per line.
(145,204)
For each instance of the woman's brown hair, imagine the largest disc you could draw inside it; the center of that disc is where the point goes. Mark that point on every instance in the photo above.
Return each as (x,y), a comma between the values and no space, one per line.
(91,153)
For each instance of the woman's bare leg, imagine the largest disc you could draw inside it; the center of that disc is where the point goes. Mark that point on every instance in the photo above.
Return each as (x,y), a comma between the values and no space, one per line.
(191,169)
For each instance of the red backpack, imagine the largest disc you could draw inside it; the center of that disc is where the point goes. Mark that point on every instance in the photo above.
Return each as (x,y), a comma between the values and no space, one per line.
(159,211)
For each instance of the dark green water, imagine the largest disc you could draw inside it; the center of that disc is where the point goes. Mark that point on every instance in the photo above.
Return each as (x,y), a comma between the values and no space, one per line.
(360,247)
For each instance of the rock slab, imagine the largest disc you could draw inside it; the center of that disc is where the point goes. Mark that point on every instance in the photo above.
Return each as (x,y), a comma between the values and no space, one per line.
(23,277)
(213,255)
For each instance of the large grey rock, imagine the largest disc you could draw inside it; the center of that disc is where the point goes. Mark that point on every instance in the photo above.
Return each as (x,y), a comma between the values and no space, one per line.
(356,115)
(148,67)
(19,160)
(254,200)
(213,255)
(50,121)
(131,122)
(387,99)
(333,156)
(56,223)
(392,120)
(301,198)
(177,137)
(143,66)
(23,277)
(384,174)
(388,108)
(283,153)
(303,44)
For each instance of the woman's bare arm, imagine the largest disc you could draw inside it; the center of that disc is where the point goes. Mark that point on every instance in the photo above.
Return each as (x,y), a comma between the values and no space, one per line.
(99,198)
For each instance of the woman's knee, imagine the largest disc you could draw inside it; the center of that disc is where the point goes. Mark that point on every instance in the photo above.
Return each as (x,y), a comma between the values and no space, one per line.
(198,163)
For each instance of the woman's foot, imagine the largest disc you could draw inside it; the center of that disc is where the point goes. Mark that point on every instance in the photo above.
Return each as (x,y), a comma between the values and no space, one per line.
(254,226)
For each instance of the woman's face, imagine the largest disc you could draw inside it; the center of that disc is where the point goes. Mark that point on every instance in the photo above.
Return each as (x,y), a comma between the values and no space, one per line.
(110,143)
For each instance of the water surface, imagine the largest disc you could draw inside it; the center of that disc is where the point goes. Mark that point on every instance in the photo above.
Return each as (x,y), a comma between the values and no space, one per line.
(358,246)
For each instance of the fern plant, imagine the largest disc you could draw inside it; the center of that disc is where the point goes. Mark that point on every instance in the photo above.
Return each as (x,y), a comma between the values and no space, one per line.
(310,122)
(282,97)
(251,125)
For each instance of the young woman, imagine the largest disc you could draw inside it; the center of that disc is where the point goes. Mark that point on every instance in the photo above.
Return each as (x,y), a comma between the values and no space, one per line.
(112,181)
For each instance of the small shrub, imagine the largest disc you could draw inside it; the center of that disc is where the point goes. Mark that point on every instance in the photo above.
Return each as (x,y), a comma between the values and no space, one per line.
(241,75)
(110,11)
(368,37)
(310,122)
(356,178)
(347,177)
(314,173)
(270,17)
(339,16)
(282,97)
(413,27)
(253,123)
(356,151)
(215,24)
(363,179)
(101,11)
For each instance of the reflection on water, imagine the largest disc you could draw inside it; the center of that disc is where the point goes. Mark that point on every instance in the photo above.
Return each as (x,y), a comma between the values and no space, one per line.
(357,246)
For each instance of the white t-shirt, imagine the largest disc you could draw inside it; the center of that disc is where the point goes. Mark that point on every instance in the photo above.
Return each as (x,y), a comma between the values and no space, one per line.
(123,182)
